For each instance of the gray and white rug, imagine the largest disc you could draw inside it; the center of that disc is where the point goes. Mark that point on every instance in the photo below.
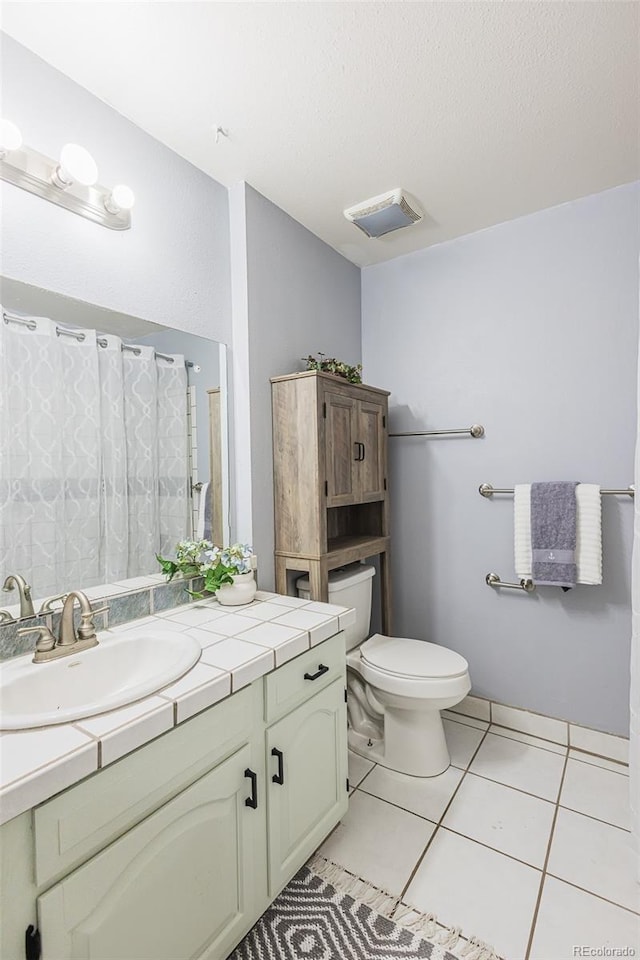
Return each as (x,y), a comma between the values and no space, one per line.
(326,913)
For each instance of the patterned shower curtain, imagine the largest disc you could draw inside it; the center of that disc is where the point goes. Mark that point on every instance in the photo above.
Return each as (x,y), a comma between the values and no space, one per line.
(93,456)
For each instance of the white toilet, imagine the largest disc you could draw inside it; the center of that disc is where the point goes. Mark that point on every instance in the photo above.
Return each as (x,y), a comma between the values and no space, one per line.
(396,686)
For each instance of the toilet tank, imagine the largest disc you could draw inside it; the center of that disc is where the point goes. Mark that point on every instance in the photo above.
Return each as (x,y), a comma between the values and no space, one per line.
(349,586)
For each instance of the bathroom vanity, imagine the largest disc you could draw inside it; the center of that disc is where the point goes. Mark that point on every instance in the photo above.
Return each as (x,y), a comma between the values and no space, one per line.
(174,849)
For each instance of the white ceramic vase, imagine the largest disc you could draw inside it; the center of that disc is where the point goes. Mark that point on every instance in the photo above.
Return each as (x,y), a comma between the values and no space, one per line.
(242,590)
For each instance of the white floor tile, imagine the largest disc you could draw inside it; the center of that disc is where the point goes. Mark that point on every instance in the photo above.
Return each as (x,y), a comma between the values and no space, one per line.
(503,818)
(532,723)
(604,744)
(527,738)
(358,769)
(378,842)
(487,894)
(598,761)
(596,857)
(569,917)
(425,796)
(519,765)
(597,792)
(462,741)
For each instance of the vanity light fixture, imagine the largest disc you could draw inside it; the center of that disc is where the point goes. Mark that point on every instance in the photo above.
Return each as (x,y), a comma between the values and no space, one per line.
(70,182)
(10,137)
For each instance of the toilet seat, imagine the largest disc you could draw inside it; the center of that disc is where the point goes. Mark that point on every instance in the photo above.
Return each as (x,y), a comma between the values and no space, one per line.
(411,668)
(412,659)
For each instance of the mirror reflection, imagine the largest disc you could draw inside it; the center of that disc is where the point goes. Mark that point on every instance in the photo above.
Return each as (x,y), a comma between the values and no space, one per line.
(112,447)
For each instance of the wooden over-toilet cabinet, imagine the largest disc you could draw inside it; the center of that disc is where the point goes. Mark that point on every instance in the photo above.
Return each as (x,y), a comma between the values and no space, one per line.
(330,480)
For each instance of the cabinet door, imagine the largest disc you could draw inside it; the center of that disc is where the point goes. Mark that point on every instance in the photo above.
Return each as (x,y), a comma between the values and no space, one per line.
(371,434)
(341,451)
(309,748)
(181,885)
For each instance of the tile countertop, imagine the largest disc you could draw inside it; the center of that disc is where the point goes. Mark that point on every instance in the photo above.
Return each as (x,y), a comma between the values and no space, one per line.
(239,645)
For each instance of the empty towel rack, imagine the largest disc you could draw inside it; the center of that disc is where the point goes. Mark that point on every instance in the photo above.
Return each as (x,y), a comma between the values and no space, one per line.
(493,580)
(486,490)
(476,430)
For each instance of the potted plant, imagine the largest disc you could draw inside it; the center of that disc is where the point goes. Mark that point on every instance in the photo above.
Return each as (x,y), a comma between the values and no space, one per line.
(227,571)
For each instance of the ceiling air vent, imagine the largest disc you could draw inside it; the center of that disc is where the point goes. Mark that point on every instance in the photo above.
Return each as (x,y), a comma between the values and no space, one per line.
(385,213)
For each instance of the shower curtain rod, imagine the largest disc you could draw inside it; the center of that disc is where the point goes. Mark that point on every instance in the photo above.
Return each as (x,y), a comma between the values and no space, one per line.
(78,335)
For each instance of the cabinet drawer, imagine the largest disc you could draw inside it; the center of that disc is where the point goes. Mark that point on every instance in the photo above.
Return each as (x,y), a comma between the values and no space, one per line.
(288,686)
(74,825)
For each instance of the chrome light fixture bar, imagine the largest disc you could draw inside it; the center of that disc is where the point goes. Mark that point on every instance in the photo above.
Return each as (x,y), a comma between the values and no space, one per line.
(70,182)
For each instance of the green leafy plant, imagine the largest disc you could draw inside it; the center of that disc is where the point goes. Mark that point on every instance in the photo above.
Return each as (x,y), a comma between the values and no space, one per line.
(338,367)
(200,558)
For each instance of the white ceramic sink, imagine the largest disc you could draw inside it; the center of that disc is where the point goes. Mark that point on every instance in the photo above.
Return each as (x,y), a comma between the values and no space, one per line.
(113,674)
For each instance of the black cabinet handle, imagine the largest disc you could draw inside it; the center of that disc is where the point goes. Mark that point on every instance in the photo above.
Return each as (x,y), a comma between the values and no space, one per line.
(279,776)
(363,451)
(314,676)
(32,945)
(252,801)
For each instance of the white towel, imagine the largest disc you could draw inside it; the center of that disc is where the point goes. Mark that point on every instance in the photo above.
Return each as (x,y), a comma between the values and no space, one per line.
(201,531)
(588,534)
(522,530)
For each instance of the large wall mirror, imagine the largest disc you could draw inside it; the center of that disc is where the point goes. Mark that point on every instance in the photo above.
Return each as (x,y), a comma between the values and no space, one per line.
(113,443)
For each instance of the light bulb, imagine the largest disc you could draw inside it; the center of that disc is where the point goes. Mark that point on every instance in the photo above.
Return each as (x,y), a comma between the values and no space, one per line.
(76,164)
(120,198)
(10,137)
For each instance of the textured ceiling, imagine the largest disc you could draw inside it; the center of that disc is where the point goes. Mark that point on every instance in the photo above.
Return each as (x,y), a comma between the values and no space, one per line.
(483,111)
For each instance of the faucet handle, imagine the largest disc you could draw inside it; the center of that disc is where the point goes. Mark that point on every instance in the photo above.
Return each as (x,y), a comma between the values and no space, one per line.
(87,628)
(46,607)
(45,642)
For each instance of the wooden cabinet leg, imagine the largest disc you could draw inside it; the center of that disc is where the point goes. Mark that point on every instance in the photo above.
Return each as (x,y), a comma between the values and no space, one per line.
(385,594)
(319,581)
(281,575)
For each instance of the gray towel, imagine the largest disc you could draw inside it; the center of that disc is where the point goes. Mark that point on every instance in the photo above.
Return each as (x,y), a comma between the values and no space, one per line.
(553,533)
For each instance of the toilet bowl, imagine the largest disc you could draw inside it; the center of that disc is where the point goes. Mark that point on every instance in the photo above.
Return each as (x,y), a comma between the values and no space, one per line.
(396,686)
(410,682)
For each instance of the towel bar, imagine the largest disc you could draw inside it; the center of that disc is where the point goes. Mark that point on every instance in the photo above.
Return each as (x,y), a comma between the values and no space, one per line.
(476,431)
(493,580)
(486,490)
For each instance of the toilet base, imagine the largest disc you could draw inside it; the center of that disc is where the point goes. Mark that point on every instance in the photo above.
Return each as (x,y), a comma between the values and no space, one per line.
(414,742)
(414,745)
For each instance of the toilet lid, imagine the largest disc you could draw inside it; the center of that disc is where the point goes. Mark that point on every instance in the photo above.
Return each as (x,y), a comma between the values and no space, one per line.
(412,658)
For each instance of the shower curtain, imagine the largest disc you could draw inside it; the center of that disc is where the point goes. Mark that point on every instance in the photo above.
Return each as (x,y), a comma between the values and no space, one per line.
(634,734)
(93,456)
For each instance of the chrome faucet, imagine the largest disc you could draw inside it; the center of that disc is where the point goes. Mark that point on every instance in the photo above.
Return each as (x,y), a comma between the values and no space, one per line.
(24,592)
(68,642)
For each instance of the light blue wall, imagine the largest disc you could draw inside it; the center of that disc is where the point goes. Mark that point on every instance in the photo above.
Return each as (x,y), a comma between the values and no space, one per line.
(530,328)
(303,297)
(171,267)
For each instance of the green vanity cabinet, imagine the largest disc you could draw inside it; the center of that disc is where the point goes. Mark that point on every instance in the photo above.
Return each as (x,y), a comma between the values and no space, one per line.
(174,851)
(307,790)
(179,884)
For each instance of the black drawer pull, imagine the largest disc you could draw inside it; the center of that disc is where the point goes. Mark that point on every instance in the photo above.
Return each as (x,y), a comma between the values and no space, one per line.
(314,676)
(279,776)
(252,801)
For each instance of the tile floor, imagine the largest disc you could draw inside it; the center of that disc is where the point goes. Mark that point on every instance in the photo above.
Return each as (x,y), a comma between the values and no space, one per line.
(521,842)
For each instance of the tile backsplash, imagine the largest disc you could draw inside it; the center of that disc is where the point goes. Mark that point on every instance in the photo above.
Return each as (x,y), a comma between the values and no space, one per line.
(123,605)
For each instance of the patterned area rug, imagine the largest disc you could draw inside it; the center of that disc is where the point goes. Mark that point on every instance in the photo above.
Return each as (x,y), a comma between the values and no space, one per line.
(326,913)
